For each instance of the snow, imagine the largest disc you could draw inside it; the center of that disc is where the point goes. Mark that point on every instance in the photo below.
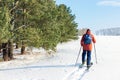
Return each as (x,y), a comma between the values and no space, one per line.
(61,65)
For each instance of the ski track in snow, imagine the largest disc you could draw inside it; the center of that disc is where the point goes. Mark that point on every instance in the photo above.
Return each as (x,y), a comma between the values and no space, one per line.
(76,74)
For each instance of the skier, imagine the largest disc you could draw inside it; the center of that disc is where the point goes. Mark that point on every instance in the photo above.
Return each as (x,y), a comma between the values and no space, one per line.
(86,43)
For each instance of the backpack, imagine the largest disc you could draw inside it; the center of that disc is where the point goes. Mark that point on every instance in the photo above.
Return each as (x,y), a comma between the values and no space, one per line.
(87,39)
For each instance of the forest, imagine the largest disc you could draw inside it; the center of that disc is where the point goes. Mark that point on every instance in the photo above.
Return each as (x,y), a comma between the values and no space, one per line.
(36,23)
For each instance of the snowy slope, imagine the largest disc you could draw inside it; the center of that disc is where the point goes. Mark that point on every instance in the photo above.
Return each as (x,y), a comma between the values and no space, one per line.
(61,66)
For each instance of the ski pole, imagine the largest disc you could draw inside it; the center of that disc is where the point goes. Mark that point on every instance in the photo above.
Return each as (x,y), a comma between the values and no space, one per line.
(95,53)
(78,56)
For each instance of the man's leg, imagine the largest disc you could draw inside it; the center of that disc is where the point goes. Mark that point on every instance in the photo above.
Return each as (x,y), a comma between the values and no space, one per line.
(83,56)
(88,59)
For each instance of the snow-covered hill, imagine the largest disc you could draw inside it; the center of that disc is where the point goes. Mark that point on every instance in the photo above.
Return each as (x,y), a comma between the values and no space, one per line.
(109,32)
(61,66)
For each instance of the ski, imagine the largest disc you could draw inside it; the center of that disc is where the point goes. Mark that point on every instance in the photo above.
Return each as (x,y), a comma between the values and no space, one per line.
(81,66)
(88,67)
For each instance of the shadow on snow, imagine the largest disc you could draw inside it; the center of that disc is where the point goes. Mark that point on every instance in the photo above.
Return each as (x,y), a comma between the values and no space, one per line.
(43,67)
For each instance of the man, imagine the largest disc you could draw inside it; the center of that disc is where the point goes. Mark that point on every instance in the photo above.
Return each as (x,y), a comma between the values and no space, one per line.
(86,42)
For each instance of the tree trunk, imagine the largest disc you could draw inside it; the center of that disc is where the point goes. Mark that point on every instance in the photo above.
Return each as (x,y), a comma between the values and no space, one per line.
(23,48)
(0,48)
(17,45)
(5,52)
(10,49)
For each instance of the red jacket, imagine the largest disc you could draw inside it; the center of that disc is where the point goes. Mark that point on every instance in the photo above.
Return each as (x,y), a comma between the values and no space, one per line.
(87,46)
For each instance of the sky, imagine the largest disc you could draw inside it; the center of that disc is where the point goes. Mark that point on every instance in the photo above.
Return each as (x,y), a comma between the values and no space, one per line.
(94,14)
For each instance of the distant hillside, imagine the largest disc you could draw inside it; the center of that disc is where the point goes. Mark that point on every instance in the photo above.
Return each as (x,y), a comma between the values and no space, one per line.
(109,31)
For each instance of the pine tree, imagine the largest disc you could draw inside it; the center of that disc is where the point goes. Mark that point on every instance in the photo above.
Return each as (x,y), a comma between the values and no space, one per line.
(66,22)
(5,28)
(37,23)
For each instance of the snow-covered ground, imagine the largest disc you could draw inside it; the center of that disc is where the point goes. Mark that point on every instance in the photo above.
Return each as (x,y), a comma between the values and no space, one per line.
(61,66)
